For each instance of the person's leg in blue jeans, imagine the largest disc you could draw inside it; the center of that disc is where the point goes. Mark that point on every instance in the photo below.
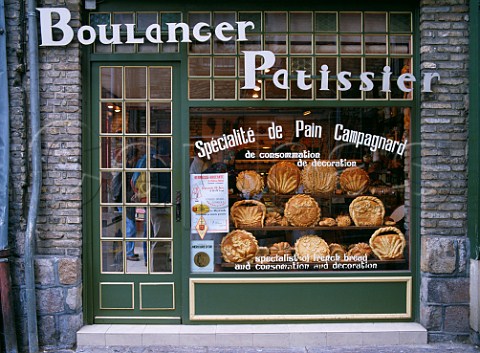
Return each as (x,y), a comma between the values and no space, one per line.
(131,233)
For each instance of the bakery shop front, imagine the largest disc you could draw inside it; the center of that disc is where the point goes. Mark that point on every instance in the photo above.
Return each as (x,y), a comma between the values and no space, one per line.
(250,165)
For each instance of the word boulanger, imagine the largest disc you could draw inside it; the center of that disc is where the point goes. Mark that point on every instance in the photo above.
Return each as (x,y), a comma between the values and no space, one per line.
(112,33)
(281,77)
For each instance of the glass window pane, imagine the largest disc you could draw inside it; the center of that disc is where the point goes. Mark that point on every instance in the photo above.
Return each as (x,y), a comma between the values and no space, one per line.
(401,45)
(375,65)
(111,118)
(221,47)
(199,89)
(255,17)
(170,17)
(199,66)
(254,42)
(224,89)
(120,18)
(196,17)
(136,117)
(160,118)
(300,22)
(124,48)
(326,22)
(200,47)
(112,256)
(224,66)
(400,22)
(111,152)
(375,44)
(145,19)
(273,92)
(148,48)
(161,188)
(375,22)
(276,43)
(329,93)
(161,256)
(297,93)
(110,193)
(161,222)
(350,22)
(161,152)
(330,62)
(301,64)
(351,44)
(229,17)
(111,82)
(160,82)
(301,44)
(135,82)
(135,148)
(111,222)
(275,22)
(326,44)
(353,65)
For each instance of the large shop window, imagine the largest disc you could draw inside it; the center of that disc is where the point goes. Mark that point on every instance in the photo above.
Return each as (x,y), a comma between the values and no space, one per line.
(277,188)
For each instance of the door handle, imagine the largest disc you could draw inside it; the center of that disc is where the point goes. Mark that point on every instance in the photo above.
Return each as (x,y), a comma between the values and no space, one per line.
(178,209)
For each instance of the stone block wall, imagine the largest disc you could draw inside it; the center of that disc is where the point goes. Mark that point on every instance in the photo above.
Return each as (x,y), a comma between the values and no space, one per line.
(58,264)
(444,292)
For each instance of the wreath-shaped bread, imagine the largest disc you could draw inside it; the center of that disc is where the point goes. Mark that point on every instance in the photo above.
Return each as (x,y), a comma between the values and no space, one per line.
(354,180)
(388,243)
(248,213)
(302,211)
(238,246)
(283,177)
(311,248)
(249,182)
(319,179)
(367,211)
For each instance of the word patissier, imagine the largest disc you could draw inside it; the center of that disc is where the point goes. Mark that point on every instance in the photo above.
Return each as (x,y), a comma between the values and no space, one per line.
(236,138)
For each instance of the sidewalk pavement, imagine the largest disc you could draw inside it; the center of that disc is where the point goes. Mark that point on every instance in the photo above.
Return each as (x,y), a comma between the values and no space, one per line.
(427,348)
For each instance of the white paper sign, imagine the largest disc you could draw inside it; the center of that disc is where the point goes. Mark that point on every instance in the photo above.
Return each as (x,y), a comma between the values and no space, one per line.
(209,203)
(202,256)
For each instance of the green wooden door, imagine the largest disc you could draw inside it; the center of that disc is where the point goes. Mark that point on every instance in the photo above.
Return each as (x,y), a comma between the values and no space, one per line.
(135,228)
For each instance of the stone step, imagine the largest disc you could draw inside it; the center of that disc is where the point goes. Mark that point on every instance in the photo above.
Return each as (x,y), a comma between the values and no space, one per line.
(258,335)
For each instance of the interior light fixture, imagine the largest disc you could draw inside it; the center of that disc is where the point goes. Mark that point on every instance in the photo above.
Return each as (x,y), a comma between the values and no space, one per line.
(110,106)
(117,110)
(307,112)
(256,89)
(255,95)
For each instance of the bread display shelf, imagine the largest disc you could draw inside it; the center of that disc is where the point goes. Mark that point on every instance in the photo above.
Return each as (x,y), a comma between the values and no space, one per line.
(335,228)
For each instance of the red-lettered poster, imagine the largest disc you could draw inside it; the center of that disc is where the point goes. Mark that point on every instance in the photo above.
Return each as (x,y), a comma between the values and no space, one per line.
(209,203)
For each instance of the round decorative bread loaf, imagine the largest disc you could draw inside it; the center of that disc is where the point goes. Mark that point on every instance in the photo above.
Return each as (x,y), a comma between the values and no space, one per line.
(280,249)
(249,182)
(387,243)
(302,211)
(337,249)
(273,219)
(238,246)
(343,221)
(367,211)
(359,249)
(354,180)
(319,179)
(248,213)
(283,178)
(311,248)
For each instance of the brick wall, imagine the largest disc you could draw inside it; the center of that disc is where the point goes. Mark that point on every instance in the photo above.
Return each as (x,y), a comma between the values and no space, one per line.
(59,230)
(444,294)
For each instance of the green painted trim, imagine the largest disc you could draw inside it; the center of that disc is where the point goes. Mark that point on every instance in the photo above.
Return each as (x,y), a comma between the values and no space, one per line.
(87,268)
(473,215)
(416,176)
